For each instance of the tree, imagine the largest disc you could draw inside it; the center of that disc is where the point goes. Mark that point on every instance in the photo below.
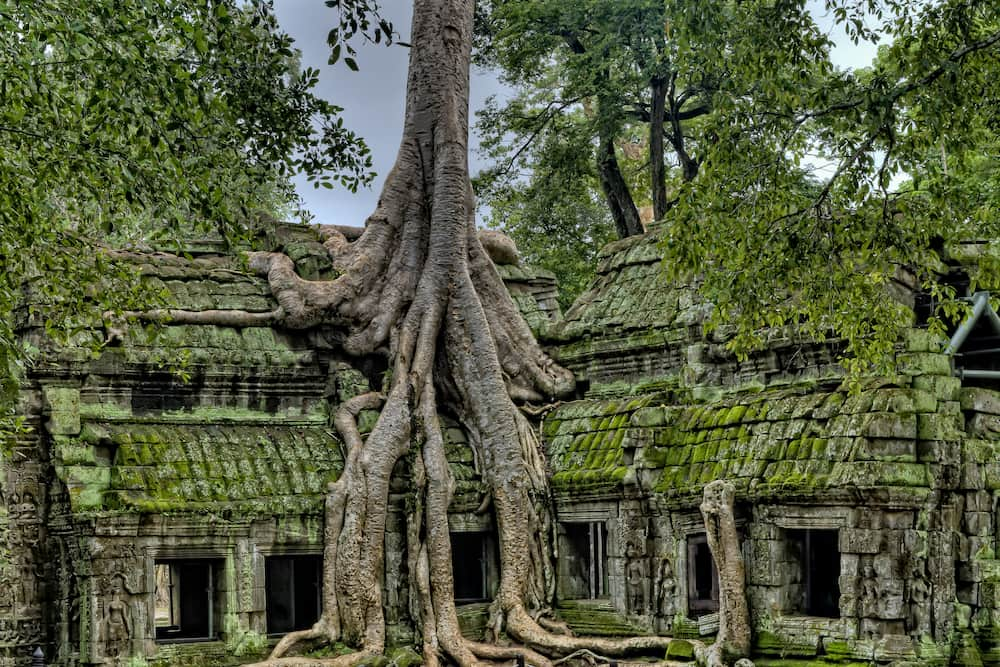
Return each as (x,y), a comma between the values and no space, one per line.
(125,121)
(557,216)
(418,287)
(645,74)
(771,252)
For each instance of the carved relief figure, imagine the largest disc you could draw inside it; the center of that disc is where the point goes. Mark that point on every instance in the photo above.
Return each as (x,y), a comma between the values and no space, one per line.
(667,589)
(29,573)
(635,580)
(116,622)
(869,593)
(919,618)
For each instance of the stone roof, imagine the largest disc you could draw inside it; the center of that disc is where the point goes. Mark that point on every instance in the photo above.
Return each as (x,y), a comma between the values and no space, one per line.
(248,430)
(632,328)
(251,469)
(795,440)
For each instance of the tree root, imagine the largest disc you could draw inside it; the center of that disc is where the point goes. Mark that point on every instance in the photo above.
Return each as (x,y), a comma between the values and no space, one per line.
(525,629)
(594,659)
(418,281)
(496,652)
(348,660)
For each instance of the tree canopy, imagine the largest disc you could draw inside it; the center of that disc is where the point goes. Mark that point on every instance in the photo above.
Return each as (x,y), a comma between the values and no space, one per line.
(616,98)
(806,190)
(125,121)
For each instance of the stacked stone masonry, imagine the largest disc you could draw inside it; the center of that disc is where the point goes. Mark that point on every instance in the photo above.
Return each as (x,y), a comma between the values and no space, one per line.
(868,518)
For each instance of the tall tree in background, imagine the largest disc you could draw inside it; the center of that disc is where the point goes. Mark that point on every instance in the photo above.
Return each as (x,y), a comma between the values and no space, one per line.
(793,198)
(615,101)
(770,252)
(634,74)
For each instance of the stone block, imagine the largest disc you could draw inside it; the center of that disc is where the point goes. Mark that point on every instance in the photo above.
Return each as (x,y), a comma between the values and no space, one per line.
(761,569)
(850,565)
(922,340)
(860,541)
(894,647)
(980,399)
(939,451)
(892,607)
(648,417)
(830,406)
(943,387)
(897,520)
(978,523)
(989,594)
(924,363)
(991,476)
(944,476)
(968,593)
(915,541)
(971,476)
(980,546)
(63,407)
(981,425)
(968,572)
(73,452)
(940,427)
(887,449)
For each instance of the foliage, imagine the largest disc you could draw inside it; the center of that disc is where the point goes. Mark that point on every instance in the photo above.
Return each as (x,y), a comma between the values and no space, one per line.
(816,190)
(637,78)
(825,258)
(555,216)
(586,76)
(129,120)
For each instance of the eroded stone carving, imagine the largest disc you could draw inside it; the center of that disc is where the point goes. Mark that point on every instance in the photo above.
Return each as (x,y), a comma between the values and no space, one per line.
(115,625)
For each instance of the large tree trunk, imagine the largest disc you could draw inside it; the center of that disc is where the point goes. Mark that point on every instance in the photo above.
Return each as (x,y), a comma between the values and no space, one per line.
(609,173)
(419,286)
(657,167)
(733,640)
(616,192)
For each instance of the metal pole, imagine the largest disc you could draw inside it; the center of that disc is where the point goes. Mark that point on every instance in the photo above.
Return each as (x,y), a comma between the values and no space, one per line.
(980,303)
(975,374)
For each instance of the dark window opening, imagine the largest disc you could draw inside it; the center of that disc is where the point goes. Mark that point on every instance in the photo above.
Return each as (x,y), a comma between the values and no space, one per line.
(584,566)
(293,585)
(472,561)
(818,555)
(187,603)
(702,576)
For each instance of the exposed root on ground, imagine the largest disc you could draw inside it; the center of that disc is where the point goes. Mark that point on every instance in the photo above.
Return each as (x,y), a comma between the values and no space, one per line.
(348,660)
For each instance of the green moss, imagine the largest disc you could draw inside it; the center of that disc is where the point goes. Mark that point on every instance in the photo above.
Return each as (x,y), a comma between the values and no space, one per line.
(404,657)
(680,650)
(596,619)
(785,662)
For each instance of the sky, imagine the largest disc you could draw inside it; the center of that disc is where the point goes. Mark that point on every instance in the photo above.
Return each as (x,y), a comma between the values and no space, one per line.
(373,98)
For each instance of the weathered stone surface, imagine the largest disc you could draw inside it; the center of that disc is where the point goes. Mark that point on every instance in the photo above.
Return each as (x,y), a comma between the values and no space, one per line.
(979,399)
(232,467)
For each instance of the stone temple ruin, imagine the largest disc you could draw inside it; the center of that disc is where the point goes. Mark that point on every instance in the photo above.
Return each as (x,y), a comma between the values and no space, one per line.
(148,520)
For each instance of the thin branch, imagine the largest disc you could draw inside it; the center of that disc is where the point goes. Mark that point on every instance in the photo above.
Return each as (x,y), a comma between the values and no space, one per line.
(546,116)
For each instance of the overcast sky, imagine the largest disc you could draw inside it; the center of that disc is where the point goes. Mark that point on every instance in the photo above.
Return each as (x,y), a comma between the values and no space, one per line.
(373,98)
